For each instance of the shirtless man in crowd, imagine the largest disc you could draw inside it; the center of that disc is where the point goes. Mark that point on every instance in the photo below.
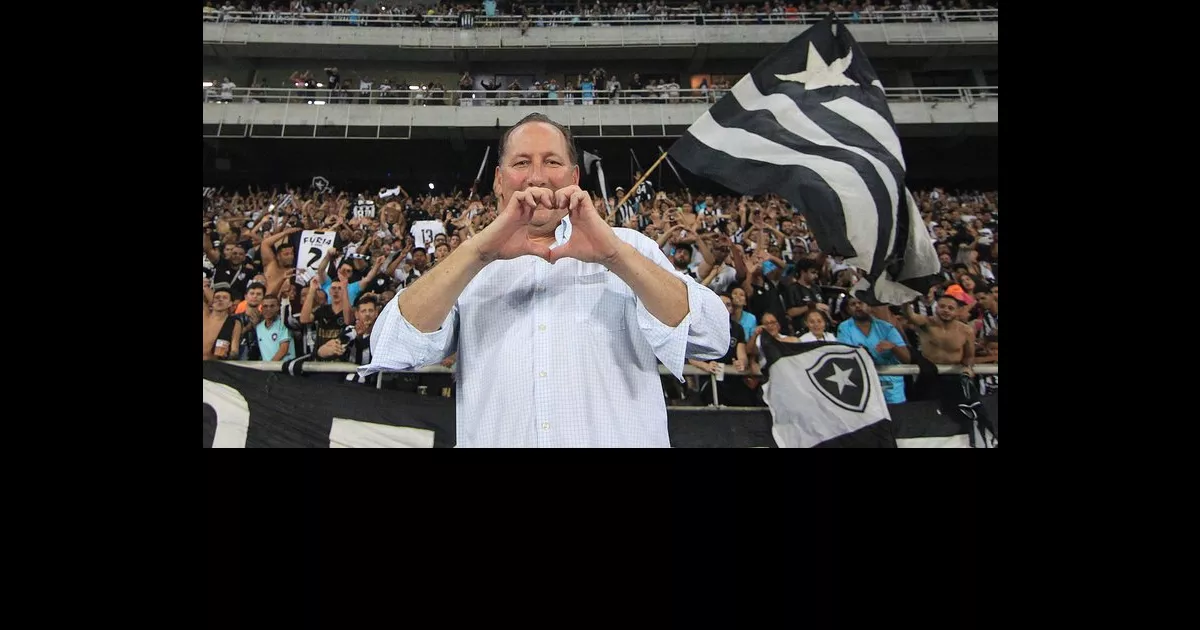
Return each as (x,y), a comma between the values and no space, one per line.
(221,330)
(947,340)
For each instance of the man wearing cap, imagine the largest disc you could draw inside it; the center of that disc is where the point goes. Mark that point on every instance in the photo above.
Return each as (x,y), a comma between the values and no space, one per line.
(881,339)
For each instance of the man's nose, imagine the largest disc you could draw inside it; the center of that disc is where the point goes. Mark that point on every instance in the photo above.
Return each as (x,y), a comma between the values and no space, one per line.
(536,176)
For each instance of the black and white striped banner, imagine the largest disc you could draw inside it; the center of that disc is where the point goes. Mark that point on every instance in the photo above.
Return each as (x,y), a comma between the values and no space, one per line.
(812,124)
(246,408)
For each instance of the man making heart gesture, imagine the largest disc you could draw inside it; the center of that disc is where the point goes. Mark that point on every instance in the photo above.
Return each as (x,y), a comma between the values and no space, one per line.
(558,319)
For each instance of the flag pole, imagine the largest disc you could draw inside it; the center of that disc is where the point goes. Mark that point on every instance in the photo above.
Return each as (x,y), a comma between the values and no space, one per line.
(644,176)
(479,175)
(676,171)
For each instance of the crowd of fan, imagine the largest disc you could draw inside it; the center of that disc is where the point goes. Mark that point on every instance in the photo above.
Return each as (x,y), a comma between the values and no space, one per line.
(579,12)
(597,86)
(758,254)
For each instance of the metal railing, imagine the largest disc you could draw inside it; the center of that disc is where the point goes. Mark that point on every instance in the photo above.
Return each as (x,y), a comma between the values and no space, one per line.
(322,95)
(669,16)
(342,367)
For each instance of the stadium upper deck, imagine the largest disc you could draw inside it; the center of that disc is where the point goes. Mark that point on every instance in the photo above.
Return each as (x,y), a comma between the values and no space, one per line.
(678,32)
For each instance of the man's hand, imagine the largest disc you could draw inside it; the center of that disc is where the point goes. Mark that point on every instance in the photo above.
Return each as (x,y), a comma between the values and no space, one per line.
(506,238)
(330,349)
(253,315)
(884,346)
(592,240)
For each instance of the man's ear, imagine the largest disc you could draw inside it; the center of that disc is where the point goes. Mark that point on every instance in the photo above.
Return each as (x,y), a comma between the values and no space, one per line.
(496,185)
(575,176)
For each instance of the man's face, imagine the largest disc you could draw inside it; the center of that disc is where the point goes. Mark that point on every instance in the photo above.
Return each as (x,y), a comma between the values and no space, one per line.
(728,303)
(947,309)
(254,296)
(286,257)
(720,253)
(270,307)
(237,255)
(337,291)
(441,251)
(221,301)
(366,313)
(420,258)
(344,271)
(439,239)
(536,155)
(455,241)
(227,250)
(682,257)
(859,310)
(944,258)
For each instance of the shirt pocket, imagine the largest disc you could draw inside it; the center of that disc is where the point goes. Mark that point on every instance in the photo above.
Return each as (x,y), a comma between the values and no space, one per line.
(600,302)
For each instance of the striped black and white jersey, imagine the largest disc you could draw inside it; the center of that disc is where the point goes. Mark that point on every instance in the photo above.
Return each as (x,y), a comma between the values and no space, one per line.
(625,212)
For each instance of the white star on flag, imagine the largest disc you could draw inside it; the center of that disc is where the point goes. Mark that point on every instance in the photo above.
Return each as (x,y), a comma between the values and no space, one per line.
(841,378)
(818,74)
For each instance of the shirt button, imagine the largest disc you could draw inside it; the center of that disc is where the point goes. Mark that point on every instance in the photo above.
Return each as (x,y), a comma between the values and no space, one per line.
(545,426)
(542,374)
(541,327)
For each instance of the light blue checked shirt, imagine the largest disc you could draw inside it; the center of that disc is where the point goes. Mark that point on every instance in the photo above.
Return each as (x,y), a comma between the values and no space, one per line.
(561,355)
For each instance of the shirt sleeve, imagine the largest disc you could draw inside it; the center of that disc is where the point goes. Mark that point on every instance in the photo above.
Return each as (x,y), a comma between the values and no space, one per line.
(843,334)
(397,345)
(894,336)
(704,332)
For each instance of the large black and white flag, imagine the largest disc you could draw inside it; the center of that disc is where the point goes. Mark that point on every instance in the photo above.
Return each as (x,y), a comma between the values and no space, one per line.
(811,123)
(825,395)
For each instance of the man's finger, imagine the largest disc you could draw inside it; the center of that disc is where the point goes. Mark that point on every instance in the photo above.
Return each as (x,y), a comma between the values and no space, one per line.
(577,200)
(546,196)
(562,198)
